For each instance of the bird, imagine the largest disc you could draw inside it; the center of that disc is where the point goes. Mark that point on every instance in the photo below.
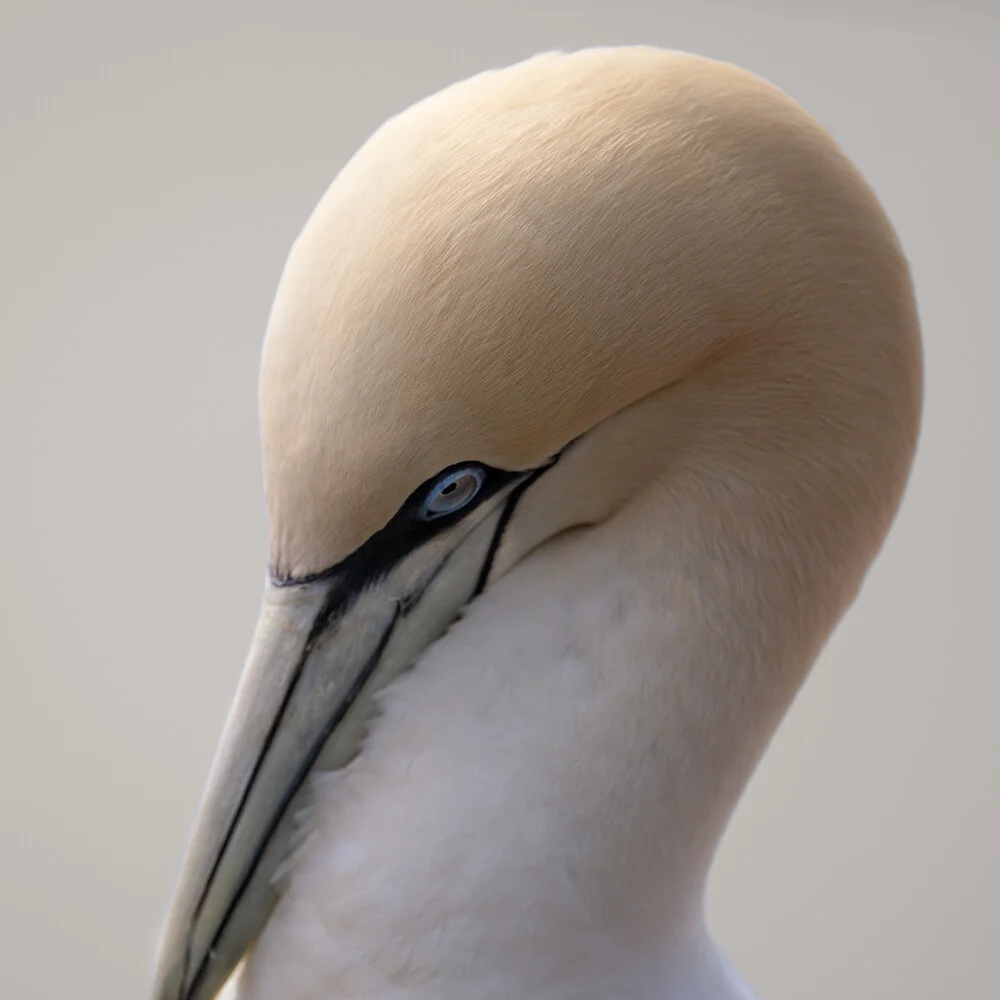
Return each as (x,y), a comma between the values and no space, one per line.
(588,396)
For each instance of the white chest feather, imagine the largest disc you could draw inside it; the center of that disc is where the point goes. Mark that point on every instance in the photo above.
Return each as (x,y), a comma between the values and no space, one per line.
(509,829)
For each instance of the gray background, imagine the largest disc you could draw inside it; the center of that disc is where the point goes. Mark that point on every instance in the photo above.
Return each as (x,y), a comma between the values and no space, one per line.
(157,162)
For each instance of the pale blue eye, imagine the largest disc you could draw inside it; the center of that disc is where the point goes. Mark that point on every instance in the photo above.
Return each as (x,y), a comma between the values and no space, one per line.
(452,492)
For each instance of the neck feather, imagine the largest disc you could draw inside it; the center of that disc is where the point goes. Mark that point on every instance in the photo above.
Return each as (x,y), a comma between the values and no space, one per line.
(537,807)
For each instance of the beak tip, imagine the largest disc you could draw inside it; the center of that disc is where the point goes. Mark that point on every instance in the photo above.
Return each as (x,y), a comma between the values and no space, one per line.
(169,968)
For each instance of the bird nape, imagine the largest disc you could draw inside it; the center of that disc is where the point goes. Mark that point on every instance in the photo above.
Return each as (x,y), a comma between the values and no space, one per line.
(589,393)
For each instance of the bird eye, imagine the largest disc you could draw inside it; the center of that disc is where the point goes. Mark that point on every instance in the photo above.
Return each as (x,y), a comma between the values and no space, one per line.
(452,492)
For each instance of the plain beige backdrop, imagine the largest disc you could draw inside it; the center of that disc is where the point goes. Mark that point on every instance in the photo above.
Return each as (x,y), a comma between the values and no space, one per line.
(157,161)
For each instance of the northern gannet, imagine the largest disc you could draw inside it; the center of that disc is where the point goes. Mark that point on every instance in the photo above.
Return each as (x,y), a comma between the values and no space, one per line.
(589,393)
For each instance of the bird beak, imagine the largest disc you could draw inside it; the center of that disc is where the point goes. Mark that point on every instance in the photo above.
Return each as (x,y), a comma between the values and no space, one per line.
(322,650)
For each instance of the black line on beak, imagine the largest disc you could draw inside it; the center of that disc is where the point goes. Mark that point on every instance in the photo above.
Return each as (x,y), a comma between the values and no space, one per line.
(508,512)
(319,624)
(307,764)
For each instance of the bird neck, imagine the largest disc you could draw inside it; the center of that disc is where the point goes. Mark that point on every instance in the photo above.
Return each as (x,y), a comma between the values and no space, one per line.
(537,807)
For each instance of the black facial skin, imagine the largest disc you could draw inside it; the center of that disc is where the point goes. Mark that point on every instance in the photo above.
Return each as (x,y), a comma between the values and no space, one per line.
(408,530)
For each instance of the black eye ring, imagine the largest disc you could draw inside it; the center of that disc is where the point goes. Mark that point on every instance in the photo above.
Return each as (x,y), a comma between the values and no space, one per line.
(452,492)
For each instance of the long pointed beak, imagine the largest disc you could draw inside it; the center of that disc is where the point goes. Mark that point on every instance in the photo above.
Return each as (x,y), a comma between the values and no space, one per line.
(322,649)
